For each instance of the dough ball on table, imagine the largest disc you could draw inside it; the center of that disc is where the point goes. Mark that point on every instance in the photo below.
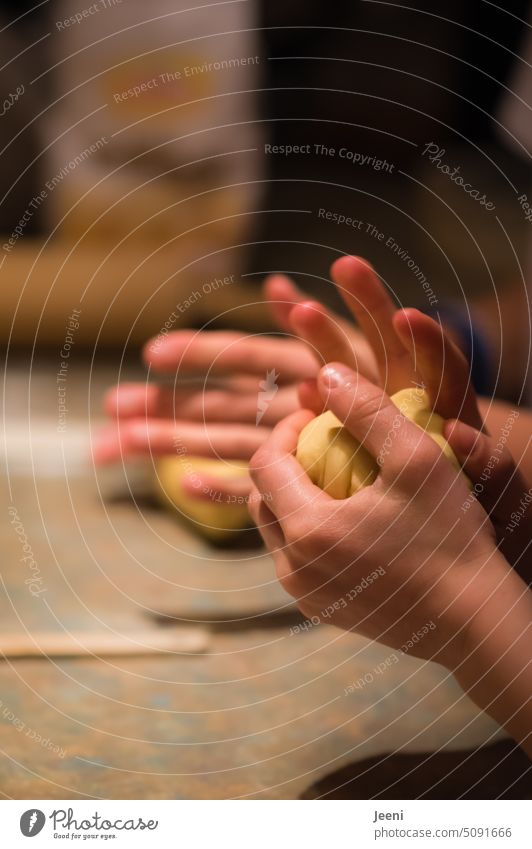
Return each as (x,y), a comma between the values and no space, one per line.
(219,521)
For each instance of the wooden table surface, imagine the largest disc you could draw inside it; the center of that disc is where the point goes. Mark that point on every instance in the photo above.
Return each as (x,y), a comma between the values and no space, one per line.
(261,713)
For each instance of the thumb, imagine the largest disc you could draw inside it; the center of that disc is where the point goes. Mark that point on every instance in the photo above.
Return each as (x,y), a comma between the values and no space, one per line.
(488,464)
(369,415)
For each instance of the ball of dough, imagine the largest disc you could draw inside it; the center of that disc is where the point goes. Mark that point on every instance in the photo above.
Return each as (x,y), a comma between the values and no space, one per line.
(333,459)
(219,521)
(340,465)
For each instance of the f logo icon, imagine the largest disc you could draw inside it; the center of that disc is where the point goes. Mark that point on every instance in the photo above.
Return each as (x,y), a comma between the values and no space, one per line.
(32,822)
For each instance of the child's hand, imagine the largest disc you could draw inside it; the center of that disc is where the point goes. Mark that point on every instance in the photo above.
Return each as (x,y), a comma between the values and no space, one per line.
(399,561)
(411,347)
(407,524)
(212,405)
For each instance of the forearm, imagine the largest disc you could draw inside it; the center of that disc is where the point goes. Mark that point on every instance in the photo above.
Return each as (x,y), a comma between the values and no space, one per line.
(501,421)
(495,668)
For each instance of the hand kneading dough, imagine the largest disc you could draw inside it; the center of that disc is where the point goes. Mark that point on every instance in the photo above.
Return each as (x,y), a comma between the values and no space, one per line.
(337,463)
(219,521)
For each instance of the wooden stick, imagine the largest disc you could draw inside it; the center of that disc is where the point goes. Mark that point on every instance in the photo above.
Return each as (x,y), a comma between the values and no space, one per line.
(104,643)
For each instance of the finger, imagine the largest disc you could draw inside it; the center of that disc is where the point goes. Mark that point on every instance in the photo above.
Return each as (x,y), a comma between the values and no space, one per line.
(444,370)
(143,400)
(281,293)
(319,328)
(374,310)
(202,486)
(139,437)
(269,528)
(224,352)
(371,417)
(278,476)
(309,397)
(490,467)
(133,400)
(330,338)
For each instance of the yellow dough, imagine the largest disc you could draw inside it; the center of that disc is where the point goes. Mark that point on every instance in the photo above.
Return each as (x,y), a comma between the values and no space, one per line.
(333,459)
(215,519)
(337,463)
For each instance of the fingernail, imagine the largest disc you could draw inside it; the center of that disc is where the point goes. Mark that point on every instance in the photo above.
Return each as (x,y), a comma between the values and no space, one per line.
(192,481)
(336,377)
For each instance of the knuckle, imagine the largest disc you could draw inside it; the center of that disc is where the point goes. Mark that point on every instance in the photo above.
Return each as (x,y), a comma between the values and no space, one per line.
(434,461)
(420,455)
(306,547)
(368,404)
(431,454)
(292,536)
(297,529)
(425,465)
(307,541)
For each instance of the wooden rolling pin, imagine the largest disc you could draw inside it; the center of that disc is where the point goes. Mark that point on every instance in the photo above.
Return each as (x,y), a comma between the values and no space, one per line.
(104,644)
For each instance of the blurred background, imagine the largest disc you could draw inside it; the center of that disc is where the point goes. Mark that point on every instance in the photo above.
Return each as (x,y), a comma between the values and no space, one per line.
(147,134)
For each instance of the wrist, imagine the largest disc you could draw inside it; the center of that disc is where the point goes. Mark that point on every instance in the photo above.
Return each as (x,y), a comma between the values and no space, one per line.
(461,597)
(501,600)
(494,662)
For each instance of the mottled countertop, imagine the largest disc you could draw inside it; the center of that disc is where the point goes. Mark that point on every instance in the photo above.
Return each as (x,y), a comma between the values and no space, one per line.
(262,713)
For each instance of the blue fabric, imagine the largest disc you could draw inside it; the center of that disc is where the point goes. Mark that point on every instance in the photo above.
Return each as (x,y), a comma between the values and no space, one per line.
(473,343)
